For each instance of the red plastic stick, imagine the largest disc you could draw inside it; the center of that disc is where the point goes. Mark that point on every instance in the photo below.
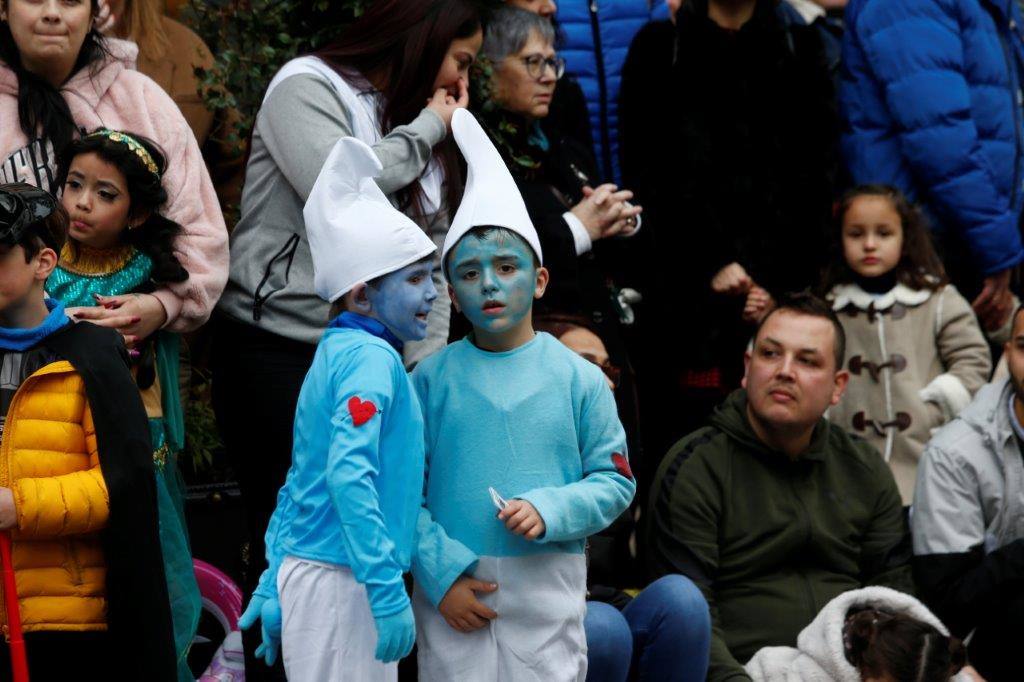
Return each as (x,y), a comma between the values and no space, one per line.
(19,659)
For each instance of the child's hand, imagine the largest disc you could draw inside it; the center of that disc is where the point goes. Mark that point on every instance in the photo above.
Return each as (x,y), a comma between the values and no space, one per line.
(731,280)
(8,513)
(521,518)
(269,612)
(759,303)
(395,635)
(460,607)
(972,674)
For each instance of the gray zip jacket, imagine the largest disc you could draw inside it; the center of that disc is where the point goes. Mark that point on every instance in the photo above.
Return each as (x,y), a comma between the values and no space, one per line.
(270,284)
(968,515)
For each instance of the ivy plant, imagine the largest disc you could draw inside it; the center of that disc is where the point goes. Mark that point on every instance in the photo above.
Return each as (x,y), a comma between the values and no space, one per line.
(252,39)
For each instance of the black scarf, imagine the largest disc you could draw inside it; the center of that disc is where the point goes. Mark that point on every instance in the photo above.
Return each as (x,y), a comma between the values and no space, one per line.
(138,608)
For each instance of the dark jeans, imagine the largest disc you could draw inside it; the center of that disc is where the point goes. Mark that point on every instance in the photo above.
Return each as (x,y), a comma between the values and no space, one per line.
(256,380)
(66,656)
(663,635)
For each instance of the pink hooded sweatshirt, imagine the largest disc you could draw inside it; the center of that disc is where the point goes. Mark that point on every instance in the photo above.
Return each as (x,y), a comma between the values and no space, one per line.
(112,94)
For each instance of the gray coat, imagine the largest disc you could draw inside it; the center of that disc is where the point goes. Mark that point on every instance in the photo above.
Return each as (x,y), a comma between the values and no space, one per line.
(970,485)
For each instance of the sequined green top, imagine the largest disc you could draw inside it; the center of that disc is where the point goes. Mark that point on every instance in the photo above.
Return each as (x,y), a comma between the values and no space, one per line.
(110,272)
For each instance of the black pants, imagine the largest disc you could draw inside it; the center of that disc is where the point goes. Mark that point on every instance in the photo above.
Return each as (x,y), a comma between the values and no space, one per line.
(256,380)
(65,656)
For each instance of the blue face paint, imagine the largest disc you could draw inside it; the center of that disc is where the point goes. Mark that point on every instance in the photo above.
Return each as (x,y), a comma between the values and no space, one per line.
(494,281)
(401,300)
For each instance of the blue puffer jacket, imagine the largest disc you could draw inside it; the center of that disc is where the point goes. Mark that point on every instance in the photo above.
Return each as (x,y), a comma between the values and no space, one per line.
(597,34)
(929,95)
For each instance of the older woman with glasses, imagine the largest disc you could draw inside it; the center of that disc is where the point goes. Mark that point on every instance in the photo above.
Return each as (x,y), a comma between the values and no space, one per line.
(512,92)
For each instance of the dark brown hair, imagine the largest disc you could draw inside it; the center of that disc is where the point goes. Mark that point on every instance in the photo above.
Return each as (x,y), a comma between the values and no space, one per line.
(806,303)
(919,266)
(879,643)
(560,324)
(156,234)
(402,44)
(51,232)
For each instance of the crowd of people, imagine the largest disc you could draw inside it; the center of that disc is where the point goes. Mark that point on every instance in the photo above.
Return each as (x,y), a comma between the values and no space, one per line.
(672,340)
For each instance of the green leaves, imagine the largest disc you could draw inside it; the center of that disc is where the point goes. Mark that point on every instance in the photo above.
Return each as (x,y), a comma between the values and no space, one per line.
(252,39)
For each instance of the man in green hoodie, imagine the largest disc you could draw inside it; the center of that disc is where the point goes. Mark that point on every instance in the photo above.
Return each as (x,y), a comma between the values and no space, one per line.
(770,509)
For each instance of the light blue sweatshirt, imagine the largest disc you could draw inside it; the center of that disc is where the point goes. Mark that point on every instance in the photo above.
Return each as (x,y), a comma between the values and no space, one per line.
(537,423)
(354,488)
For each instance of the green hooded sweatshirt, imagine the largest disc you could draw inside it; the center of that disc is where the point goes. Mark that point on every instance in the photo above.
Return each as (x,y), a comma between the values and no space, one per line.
(771,540)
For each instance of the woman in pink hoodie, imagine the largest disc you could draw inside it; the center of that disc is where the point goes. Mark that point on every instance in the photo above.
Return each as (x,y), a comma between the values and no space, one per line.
(59,76)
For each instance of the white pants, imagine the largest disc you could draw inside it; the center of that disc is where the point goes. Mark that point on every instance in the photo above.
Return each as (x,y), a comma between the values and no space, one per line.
(537,637)
(327,630)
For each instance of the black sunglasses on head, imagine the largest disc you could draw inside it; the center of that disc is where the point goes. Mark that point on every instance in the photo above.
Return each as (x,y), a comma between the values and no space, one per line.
(21,206)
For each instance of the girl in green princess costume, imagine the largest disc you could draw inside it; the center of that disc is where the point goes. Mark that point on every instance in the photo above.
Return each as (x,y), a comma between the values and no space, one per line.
(120,245)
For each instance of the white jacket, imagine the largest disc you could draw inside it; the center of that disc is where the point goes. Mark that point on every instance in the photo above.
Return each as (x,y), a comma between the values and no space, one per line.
(820,655)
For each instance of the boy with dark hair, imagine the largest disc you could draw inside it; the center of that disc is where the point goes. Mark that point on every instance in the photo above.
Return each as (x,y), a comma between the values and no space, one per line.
(771,509)
(501,584)
(77,492)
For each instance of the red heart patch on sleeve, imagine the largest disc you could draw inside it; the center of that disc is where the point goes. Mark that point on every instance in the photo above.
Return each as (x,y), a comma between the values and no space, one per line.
(361,410)
(622,465)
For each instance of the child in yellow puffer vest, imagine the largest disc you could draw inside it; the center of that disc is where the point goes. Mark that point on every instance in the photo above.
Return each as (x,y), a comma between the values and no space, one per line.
(77,491)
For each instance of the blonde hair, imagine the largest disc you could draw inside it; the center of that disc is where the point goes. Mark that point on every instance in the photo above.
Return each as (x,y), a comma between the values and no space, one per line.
(143,23)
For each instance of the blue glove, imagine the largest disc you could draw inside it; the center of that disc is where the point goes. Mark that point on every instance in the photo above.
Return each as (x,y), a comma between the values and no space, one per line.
(268,611)
(395,635)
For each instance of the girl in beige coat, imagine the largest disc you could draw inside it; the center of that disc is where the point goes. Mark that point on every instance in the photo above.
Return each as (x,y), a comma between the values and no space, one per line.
(915,352)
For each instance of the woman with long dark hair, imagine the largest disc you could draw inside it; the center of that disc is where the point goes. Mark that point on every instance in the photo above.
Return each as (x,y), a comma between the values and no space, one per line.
(393,79)
(59,76)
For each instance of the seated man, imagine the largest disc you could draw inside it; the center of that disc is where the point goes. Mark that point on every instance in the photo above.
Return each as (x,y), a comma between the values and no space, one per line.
(770,509)
(968,521)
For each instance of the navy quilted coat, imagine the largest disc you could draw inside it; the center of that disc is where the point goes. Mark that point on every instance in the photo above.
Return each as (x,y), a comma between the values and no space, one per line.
(597,34)
(931,99)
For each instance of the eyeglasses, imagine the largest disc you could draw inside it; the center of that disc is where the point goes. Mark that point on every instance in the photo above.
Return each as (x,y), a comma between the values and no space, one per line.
(611,371)
(22,205)
(536,63)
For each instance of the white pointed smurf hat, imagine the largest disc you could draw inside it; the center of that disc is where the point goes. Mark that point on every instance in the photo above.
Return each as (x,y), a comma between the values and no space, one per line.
(491,196)
(354,232)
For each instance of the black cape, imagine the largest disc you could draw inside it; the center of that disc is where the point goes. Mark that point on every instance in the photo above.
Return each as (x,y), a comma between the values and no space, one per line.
(138,608)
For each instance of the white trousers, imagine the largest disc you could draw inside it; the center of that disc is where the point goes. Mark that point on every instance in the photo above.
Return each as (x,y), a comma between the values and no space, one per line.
(537,637)
(327,630)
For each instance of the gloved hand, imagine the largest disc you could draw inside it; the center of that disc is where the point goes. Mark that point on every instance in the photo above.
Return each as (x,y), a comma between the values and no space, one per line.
(268,611)
(395,635)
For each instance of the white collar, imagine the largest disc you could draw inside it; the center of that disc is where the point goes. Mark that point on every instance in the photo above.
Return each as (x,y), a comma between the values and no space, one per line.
(843,295)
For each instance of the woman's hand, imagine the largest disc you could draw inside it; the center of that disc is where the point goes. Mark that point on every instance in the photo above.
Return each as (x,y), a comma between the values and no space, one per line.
(600,209)
(731,280)
(444,105)
(136,316)
(627,222)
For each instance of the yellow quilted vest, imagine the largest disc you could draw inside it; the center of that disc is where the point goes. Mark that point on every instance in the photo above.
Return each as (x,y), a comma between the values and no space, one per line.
(48,458)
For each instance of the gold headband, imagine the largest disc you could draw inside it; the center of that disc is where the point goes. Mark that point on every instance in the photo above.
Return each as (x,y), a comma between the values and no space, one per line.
(134,145)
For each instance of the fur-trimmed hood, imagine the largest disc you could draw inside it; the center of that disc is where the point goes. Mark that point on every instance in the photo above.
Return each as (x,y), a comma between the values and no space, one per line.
(820,654)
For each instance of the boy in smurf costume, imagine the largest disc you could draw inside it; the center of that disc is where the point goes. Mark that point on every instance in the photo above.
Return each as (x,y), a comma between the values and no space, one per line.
(501,584)
(343,531)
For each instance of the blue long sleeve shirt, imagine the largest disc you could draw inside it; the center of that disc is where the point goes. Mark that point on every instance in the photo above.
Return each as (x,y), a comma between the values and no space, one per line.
(537,423)
(353,491)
